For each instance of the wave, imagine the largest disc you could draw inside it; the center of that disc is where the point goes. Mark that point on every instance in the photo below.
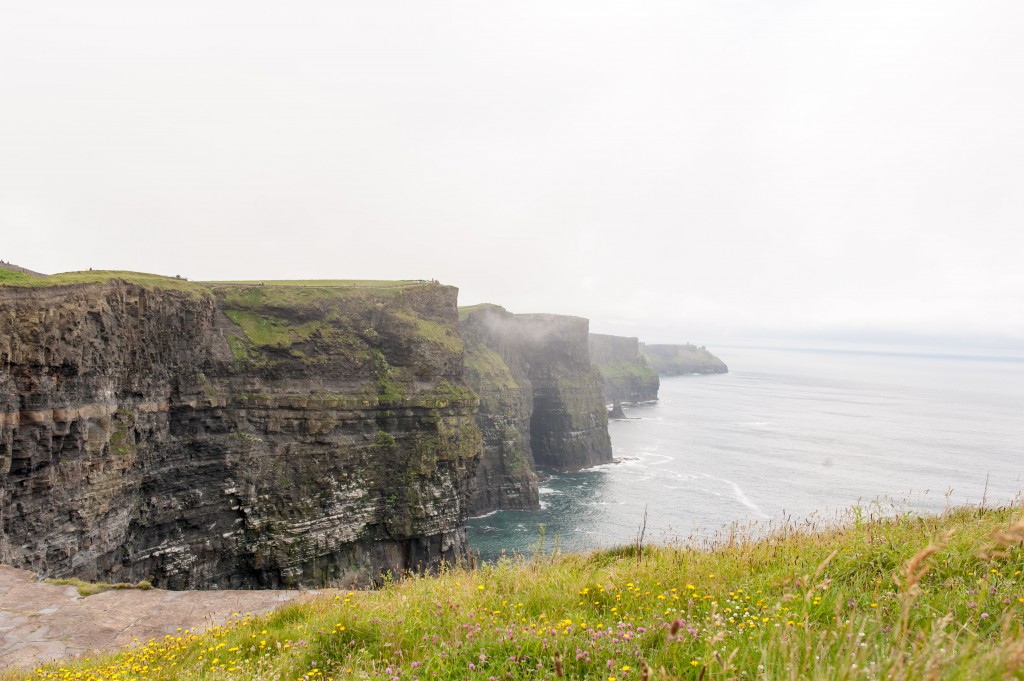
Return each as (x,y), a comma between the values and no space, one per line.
(740,496)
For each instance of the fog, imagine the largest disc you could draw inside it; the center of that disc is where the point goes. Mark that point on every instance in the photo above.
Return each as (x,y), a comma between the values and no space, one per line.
(715,172)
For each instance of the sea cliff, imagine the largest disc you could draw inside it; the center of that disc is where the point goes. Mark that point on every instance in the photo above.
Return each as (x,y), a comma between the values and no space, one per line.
(542,401)
(674,360)
(232,436)
(626,373)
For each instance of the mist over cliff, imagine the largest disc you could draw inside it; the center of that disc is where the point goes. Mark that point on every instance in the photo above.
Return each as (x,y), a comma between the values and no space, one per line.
(541,401)
(280,434)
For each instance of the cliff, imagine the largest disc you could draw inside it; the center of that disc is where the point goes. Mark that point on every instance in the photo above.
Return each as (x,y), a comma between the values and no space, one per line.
(498,372)
(542,400)
(674,360)
(627,376)
(234,436)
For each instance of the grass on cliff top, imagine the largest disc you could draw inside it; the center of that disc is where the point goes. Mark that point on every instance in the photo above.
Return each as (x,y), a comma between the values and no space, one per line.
(260,299)
(159,281)
(324,283)
(937,597)
(625,369)
(10,278)
(466,310)
(150,281)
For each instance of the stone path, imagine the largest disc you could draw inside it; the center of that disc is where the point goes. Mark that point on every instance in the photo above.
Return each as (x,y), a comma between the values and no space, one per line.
(40,622)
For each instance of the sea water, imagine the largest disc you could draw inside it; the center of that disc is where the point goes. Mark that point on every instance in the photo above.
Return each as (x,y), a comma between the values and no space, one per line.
(786,435)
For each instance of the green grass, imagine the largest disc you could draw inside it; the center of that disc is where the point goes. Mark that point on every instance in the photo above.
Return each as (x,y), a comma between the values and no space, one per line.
(159,281)
(430,331)
(9,278)
(93,588)
(488,369)
(466,310)
(322,283)
(150,281)
(627,369)
(938,597)
(297,297)
(271,332)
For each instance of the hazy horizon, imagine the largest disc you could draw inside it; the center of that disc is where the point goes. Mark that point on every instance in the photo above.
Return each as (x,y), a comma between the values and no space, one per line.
(732,172)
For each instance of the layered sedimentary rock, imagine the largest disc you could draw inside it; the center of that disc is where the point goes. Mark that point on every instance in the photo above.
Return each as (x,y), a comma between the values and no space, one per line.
(497,371)
(627,376)
(674,360)
(542,400)
(236,436)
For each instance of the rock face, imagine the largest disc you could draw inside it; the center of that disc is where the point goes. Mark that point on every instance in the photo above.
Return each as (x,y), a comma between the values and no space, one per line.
(542,401)
(569,427)
(498,371)
(627,376)
(233,437)
(674,360)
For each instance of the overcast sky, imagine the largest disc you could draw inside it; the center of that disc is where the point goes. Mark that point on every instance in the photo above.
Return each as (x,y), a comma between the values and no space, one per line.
(713,171)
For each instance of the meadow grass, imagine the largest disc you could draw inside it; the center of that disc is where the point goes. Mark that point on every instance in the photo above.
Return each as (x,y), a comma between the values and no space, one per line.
(325,283)
(92,588)
(897,597)
(101,277)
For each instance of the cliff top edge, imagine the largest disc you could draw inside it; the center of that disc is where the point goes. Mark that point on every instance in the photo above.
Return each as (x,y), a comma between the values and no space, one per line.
(14,278)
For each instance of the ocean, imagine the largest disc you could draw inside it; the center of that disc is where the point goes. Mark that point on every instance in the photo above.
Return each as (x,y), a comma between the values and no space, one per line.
(785,436)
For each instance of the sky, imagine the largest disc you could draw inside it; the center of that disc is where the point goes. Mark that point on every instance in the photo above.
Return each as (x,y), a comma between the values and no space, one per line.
(720,171)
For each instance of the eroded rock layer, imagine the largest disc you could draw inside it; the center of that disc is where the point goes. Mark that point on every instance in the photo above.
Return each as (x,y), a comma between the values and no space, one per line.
(497,370)
(542,401)
(627,376)
(235,436)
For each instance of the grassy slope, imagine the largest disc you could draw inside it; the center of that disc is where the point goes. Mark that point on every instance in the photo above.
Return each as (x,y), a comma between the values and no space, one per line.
(325,283)
(99,276)
(158,281)
(847,603)
(626,370)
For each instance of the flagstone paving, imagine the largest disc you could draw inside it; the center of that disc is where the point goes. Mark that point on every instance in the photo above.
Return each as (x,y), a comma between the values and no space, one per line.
(40,622)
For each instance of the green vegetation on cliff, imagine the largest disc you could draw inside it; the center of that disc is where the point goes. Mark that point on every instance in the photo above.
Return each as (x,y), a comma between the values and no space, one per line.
(261,467)
(9,278)
(271,332)
(673,360)
(627,375)
(626,369)
(280,316)
(149,281)
(907,597)
(488,369)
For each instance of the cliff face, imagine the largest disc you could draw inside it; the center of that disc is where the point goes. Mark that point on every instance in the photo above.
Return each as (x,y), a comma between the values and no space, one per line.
(497,371)
(627,376)
(673,360)
(539,363)
(233,437)
(569,428)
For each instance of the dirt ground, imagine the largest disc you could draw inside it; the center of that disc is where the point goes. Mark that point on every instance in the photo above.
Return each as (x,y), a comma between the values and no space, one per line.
(41,622)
